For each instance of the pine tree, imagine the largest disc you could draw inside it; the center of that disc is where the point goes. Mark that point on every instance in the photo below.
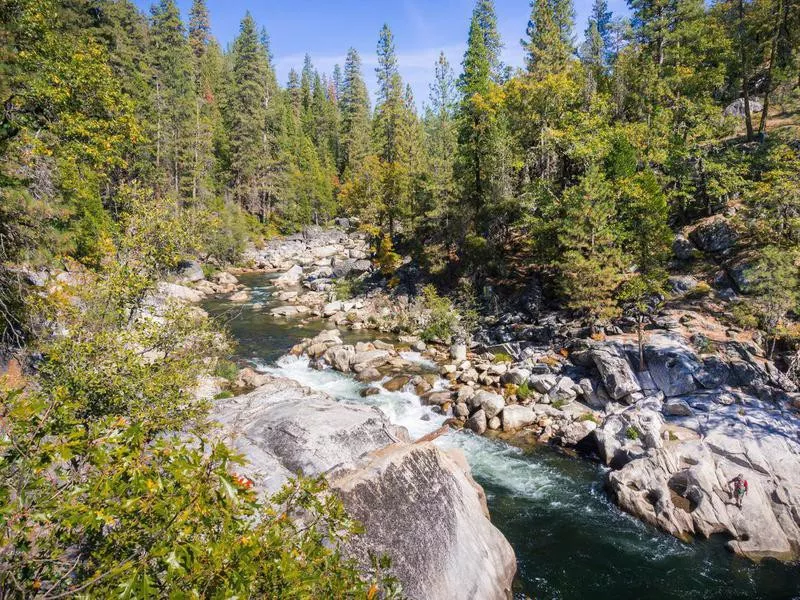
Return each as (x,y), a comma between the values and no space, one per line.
(549,45)
(253,147)
(486,16)
(603,20)
(174,97)
(207,77)
(474,130)
(596,48)
(391,133)
(441,140)
(354,103)
(591,262)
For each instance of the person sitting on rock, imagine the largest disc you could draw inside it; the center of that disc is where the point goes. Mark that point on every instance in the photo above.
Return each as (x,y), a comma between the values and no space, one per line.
(739,489)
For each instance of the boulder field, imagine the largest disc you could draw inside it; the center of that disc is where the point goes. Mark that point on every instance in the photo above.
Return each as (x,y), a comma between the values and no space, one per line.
(419,504)
(674,434)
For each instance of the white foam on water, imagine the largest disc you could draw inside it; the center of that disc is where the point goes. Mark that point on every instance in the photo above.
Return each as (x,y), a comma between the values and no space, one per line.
(492,461)
(417,358)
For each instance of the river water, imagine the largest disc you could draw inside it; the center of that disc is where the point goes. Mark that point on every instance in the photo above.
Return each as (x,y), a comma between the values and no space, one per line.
(571,542)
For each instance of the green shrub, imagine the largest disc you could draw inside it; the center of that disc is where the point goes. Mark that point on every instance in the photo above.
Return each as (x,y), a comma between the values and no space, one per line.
(632,433)
(589,417)
(224,395)
(502,357)
(388,259)
(442,318)
(559,404)
(743,315)
(523,391)
(227,370)
(209,270)
(347,288)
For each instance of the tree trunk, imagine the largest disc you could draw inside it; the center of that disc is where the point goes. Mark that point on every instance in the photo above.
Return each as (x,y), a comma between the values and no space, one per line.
(748,117)
(762,127)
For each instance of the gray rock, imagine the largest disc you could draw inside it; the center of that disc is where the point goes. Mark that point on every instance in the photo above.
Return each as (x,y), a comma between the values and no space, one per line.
(681,284)
(543,383)
(682,248)
(737,108)
(714,235)
(715,373)
(461,410)
(577,431)
(190,271)
(477,422)
(615,371)
(515,416)
(458,352)
(432,534)
(494,423)
(492,404)
(677,407)
(299,430)
(172,292)
(289,278)
(683,488)
(672,364)
(340,357)
(563,391)
(515,376)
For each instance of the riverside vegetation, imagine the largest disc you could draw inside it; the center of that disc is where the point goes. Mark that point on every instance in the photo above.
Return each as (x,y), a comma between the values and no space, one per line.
(662,153)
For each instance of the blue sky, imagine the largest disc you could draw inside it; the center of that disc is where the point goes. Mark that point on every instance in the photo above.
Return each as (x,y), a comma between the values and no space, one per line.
(326,29)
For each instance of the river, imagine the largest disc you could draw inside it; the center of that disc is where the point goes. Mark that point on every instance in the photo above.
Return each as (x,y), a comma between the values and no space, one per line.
(571,542)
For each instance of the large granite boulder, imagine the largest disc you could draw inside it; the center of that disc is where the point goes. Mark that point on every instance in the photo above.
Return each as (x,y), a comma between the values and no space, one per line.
(289,278)
(737,108)
(683,488)
(418,504)
(672,364)
(715,234)
(615,370)
(189,271)
(627,435)
(516,416)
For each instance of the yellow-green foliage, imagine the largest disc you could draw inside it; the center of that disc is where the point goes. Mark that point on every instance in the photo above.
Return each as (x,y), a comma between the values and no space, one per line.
(701,290)
(388,259)
(502,357)
(441,321)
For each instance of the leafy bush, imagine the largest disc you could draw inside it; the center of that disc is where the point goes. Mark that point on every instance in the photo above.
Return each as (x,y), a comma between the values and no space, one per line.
(632,433)
(523,391)
(442,320)
(227,370)
(743,315)
(347,288)
(558,404)
(388,259)
(589,417)
(502,357)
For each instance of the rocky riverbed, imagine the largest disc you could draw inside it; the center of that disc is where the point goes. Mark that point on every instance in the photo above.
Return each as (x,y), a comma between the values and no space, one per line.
(673,433)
